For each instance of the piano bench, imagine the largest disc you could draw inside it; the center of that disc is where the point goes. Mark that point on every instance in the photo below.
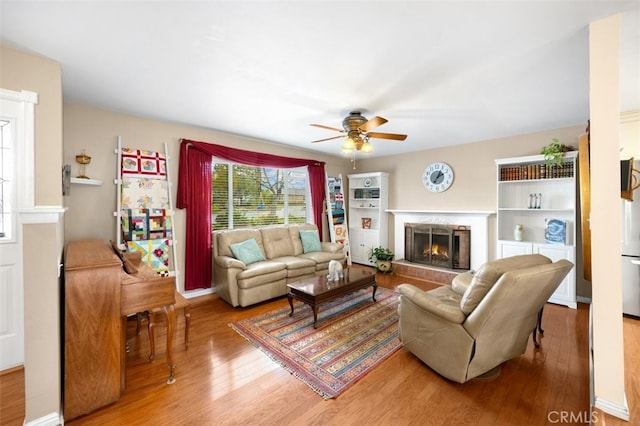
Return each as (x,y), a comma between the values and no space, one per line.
(156,315)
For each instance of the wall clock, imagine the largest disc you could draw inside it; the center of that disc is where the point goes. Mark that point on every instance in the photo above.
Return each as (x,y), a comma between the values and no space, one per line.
(437,177)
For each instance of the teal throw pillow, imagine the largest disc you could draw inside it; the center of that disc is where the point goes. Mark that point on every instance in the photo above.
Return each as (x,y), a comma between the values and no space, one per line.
(247,251)
(310,241)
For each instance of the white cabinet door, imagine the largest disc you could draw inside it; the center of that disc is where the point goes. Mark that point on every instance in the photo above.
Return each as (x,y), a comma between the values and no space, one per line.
(356,236)
(362,241)
(513,248)
(565,294)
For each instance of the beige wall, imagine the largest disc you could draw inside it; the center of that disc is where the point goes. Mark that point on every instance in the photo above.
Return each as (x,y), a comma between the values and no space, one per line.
(91,208)
(42,243)
(608,354)
(474,186)
(43,377)
(24,71)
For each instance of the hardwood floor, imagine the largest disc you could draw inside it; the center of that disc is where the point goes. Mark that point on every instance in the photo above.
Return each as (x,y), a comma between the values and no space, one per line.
(12,396)
(223,380)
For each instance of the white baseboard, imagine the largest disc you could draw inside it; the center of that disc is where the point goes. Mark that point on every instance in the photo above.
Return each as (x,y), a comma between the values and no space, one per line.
(199,292)
(52,419)
(582,299)
(615,409)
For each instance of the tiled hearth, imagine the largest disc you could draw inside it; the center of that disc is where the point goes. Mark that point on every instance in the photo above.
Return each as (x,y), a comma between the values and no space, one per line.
(424,272)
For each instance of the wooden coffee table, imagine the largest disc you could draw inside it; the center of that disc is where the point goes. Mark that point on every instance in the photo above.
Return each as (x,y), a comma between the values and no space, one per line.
(317,290)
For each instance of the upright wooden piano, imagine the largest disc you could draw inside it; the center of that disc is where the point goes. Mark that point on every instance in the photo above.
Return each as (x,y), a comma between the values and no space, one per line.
(98,296)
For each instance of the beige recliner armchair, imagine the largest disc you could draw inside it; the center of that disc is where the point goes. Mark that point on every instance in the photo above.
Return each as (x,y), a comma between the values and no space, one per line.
(482,319)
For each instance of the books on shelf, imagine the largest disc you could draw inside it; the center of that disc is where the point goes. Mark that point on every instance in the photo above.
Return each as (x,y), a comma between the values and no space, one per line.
(366,193)
(555,231)
(536,171)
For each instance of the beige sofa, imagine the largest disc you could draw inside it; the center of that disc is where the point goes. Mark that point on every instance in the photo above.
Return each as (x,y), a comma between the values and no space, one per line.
(285,261)
(482,319)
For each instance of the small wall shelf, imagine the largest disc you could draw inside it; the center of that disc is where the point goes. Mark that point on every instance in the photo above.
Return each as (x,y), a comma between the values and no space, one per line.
(82,181)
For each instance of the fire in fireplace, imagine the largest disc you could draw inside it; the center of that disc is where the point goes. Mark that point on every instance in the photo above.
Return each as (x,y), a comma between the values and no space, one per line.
(447,246)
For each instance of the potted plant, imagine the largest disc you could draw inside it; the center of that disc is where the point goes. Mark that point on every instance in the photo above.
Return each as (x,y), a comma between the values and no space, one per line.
(554,152)
(383,257)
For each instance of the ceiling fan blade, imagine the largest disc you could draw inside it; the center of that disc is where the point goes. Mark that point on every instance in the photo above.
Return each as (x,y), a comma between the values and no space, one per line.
(327,127)
(373,123)
(394,136)
(328,139)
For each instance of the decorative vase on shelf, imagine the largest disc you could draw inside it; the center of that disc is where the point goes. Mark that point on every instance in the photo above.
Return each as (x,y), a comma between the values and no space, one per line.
(83,159)
(518,232)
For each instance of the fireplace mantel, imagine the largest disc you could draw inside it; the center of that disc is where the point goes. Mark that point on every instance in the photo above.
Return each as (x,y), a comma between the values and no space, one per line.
(477,220)
(442,212)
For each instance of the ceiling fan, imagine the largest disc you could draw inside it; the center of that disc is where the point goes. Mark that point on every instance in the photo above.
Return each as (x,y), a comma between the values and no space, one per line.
(356,128)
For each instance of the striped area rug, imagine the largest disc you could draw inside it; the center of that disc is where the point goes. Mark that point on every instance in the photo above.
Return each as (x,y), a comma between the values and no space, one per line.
(354,335)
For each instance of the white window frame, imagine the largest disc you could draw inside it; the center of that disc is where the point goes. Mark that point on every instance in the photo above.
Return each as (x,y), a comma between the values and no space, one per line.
(308,201)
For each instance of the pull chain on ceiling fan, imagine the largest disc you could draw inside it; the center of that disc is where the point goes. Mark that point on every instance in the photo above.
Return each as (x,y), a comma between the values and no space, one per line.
(356,127)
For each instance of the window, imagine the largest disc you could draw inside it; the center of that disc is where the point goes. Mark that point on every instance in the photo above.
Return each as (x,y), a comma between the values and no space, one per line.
(247,196)
(6,178)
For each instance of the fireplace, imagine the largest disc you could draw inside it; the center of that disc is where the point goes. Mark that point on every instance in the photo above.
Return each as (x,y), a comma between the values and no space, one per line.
(447,246)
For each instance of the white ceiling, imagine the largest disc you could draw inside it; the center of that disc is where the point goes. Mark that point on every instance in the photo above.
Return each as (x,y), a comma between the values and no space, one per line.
(444,73)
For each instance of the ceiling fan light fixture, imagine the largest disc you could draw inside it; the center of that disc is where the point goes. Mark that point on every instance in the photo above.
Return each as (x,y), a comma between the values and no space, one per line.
(347,152)
(348,145)
(357,131)
(367,147)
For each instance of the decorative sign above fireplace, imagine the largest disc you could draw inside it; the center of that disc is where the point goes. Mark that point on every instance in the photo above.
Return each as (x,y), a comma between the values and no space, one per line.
(447,246)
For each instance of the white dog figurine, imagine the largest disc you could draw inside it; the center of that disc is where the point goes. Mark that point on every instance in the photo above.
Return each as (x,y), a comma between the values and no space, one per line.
(335,271)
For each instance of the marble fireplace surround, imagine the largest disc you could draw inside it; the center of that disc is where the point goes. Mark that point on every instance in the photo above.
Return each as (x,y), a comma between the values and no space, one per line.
(477,220)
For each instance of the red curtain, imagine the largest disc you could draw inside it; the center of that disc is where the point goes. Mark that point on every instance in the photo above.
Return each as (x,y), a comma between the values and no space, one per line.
(194,194)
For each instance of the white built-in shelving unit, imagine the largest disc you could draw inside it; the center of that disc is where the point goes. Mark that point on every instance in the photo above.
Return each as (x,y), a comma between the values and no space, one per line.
(520,181)
(368,222)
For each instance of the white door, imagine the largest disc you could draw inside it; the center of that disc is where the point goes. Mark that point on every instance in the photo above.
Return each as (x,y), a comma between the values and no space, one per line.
(11,305)
(16,158)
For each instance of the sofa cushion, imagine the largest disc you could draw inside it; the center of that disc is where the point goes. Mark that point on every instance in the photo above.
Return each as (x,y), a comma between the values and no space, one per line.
(294,232)
(442,301)
(461,282)
(487,275)
(295,262)
(310,241)
(224,238)
(247,251)
(277,241)
(263,269)
(262,278)
(297,266)
(322,258)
